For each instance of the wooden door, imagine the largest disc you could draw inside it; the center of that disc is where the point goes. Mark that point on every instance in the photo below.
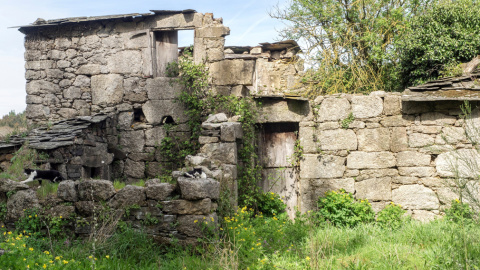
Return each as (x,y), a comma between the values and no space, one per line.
(276,149)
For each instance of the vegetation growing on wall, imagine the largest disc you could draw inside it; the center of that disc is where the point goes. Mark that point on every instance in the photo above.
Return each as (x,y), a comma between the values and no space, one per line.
(364,46)
(349,44)
(436,41)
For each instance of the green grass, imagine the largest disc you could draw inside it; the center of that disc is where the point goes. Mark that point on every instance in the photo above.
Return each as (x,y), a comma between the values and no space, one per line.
(265,243)
(117,184)
(47,189)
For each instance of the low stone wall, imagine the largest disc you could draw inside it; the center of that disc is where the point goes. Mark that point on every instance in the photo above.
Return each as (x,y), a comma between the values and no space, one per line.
(165,211)
(384,150)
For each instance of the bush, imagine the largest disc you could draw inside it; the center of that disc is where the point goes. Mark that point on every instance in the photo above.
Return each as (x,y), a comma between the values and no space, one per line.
(270,204)
(439,39)
(342,209)
(391,216)
(459,211)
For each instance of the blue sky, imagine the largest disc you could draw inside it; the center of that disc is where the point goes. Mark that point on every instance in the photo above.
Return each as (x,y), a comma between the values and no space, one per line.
(248,21)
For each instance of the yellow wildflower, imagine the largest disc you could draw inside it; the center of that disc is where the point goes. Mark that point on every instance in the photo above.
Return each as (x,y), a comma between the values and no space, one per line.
(108,257)
(307,258)
(44,266)
(46,252)
(31,249)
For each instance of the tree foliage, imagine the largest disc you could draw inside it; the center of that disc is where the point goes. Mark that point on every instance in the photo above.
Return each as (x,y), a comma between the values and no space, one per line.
(445,35)
(349,43)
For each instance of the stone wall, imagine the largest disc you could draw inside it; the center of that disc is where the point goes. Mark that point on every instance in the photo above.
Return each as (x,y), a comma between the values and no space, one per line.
(390,151)
(109,65)
(164,211)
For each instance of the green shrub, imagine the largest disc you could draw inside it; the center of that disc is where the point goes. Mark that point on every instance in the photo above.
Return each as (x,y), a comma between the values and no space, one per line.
(459,211)
(437,40)
(342,209)
(391,216)
(270,204)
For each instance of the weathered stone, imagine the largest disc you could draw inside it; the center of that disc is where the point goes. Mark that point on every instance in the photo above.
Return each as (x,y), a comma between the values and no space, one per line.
(322,166)
(415,197)
(376,173)
(397,121)
(405,180)
(195,189)
(228,131)
(107,89)
(97,190)
(127,196)
(191,225)
(183,207)
(125,62)
(446,195)
(220,152)
(416,171)
(156,111)
(433,182)
(206,139)
(212,32)
(7,185)
(41,87)
(135,169)
(67,191)
(372,140)
(87,208)
(463,163)
(333,109)
(40,65)
(61,211)
(413,159)
(154,136)
(19,201)
(398,139)
(367,106)
(163,88)
(67,113)
(37,111)
(274,111)
(436,118)
(426,129)
(132,141)
(392,105)
(308,139)
(159,191)
(420,140)
(196,161)
(232,72)
(370,160)
(453,135)
(321,186)
(339,139)
(90,69)
(82,81)
(376,189)
(72,93)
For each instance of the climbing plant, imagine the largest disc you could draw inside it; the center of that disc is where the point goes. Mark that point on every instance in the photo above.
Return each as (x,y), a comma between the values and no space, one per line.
(200,102)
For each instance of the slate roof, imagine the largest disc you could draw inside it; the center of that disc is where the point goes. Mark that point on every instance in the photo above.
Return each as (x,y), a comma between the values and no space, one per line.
(465,87)
(41,22)
(61,133)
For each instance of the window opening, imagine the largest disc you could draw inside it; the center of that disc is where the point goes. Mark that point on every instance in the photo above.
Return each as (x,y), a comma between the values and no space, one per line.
(138,116)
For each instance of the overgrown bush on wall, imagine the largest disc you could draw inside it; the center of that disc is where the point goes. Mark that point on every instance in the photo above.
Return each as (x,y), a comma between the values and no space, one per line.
(445,35)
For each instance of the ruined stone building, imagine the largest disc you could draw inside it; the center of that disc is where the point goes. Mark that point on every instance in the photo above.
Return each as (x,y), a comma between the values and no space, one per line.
(385,147)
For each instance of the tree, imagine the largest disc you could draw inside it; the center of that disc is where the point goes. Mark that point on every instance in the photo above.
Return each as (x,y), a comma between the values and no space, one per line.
(348,43)
(438,40)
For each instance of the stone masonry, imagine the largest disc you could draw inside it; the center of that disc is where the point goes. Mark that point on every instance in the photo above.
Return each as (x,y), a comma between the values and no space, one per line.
(116,65)
(392,151)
